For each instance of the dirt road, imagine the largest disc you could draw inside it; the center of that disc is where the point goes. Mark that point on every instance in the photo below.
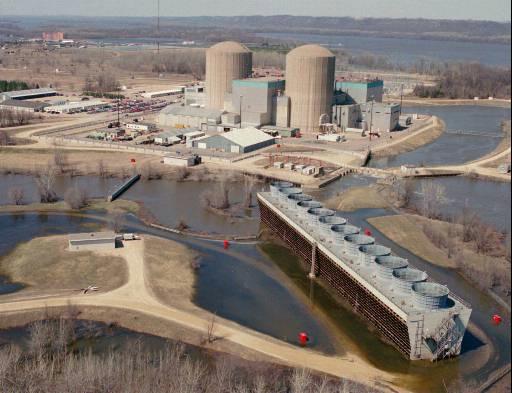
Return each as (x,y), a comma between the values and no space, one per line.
(135,296)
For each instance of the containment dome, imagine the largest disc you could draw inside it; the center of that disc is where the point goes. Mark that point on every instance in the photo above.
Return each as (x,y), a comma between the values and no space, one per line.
(225,62)
(309,85)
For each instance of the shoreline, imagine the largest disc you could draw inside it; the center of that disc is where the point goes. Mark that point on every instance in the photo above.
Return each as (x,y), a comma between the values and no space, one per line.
(496,103)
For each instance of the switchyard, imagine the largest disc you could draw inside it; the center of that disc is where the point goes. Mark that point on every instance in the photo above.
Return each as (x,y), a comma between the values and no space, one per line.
(421,318)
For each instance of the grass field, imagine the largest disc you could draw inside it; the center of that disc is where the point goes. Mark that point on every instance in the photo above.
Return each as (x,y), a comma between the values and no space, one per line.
(357,198)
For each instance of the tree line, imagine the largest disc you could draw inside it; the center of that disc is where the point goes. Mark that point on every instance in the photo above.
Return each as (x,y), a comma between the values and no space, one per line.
(6,85)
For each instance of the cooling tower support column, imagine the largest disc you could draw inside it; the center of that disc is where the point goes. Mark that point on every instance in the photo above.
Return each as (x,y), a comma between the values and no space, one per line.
(312,272)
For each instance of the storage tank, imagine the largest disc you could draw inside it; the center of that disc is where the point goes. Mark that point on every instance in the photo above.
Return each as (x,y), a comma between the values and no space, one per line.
(309,85)
(429,295)
(338,233)
(387,264)
(276,185)
(327,222)
(403,279)
(315,214)
(369,253)
(353,242)
(225,62)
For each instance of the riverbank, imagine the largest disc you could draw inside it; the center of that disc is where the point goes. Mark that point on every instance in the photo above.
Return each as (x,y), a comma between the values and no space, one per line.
(355,198)
(117,206)
(428,133)
(414,101)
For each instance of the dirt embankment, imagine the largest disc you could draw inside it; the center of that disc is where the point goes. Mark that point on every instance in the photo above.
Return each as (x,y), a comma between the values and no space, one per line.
(357,198)
(428,133)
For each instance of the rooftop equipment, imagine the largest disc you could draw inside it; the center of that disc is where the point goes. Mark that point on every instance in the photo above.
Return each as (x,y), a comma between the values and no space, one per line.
(306,205)
(293,199)
(404,279)
(338,233)
(315,214)
(353,242)
(429,295)
(369,253)
(387,264)
(327,222)
(276,185)
(285,192)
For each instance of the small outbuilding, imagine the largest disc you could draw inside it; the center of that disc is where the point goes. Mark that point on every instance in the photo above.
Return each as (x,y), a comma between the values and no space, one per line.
(92,241)
(239,141)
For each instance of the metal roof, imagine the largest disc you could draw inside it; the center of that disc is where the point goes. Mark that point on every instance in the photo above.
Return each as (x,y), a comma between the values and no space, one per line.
(92,236)
(28,92)
(192,111)
(23,104)
(247,136)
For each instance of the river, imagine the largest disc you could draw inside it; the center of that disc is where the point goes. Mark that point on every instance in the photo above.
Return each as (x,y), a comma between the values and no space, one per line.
(406,51)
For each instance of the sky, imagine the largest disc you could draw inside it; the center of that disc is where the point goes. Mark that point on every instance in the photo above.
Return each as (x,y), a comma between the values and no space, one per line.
(498,10)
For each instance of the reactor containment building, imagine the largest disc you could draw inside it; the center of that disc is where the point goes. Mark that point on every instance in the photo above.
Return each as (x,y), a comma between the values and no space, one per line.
(421,318)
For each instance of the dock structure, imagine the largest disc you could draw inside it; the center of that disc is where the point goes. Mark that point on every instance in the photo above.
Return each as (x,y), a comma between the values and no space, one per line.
(123,187)
(422,319)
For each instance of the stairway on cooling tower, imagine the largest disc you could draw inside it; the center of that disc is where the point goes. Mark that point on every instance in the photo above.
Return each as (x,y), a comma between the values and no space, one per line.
(446,340)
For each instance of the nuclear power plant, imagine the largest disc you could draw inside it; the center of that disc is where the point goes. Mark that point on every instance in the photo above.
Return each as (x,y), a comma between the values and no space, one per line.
(308,100)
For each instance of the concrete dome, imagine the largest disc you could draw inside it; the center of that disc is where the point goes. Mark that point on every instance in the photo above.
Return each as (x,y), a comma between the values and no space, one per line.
(229,47)
(308,51)
(309,85)
(225,62)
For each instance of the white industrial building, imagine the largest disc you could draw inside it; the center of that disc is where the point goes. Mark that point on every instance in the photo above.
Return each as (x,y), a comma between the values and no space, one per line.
(164,93)
(182,160)
(74,107)
(92,241)
(27,94)
(188,116)
(22,106)
(239,141)
(142,127)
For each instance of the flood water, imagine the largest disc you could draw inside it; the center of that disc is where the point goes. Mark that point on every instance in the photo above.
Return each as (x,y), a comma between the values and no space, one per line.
(239,284)
(449,148)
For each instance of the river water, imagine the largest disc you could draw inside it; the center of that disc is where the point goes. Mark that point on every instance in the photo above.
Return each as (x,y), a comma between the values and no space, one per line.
(405,50)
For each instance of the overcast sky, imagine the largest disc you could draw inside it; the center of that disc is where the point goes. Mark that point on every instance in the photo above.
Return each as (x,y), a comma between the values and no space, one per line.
(436,9)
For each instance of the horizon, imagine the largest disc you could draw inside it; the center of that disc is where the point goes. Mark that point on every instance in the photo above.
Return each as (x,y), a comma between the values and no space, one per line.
(465,10)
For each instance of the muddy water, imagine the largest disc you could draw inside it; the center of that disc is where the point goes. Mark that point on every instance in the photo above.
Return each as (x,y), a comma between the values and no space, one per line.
(450,148)
(239,284)
(168,200)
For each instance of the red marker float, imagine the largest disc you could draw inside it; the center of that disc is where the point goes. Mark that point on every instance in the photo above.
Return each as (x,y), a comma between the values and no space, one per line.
(226,244)
(367,232)
(496,319)
(303,339)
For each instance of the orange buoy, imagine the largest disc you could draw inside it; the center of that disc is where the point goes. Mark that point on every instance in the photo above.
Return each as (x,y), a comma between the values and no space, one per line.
(303,338)
(497,319)
(226,244)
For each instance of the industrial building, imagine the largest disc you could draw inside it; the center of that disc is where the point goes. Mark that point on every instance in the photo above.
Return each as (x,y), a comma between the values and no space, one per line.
(22,106)
(27,94)
(164,93)
(189,116)
(360,92)
(380,117)
(92,241)
(195,95)
(239,141)
(255,100)
(309,85)
(225,62)
(421,318)
(141,127)
(182,160)
(75,107)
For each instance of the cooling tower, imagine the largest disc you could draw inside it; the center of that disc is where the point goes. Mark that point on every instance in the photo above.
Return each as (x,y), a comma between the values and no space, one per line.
(309,85)
(225,62)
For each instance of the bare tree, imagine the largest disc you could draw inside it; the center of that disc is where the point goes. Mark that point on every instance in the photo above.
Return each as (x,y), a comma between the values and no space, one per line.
(249,182)
(60,159)
(45,181)
(76,197)
(300,381)
(210,330)
(4,138)
(433,198)
(102,171)
(16,195)
(404,191)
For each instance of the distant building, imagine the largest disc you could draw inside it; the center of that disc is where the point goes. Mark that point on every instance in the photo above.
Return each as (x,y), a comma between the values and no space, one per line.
(360,92)
(75,107)
(92,241)
(22,106)
(188,116)
(240,141)
(381,117)
(27,94)
(182,160)
(141,127)
(53,36)
(195,95)
(164,93)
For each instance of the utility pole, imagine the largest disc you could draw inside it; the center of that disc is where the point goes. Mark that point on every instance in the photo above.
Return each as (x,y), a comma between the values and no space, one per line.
(158,28)
(401,97)
(371,120)
(241,99)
